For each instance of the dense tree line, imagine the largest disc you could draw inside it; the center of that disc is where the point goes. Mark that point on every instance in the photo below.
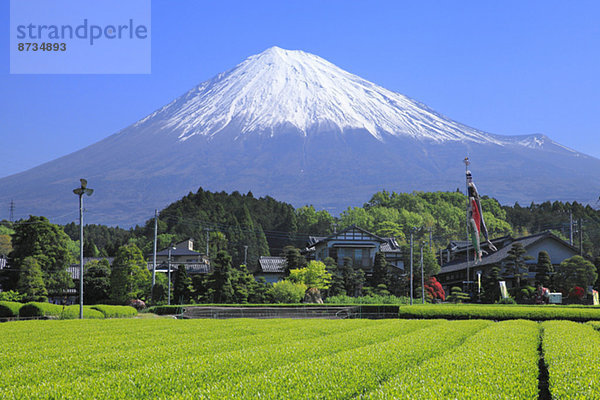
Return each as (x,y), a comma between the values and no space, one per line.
(266,225)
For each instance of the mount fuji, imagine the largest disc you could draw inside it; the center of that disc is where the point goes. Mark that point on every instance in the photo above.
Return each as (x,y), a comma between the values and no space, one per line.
(292,125)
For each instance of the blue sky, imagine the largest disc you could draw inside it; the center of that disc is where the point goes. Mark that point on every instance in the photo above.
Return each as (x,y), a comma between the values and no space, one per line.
(508,67)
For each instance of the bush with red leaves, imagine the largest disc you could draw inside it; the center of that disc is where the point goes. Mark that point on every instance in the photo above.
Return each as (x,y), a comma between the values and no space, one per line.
(434,289)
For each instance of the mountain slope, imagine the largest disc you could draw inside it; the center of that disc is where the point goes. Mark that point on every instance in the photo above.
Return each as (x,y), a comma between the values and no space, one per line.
(294,126)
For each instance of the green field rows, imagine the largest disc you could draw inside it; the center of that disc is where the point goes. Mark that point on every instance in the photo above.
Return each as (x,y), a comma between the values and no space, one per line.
(295,359)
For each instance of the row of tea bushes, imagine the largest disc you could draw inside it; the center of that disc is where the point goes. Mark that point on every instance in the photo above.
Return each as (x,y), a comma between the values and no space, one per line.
(500,312)
(9,309)
(499,362)
(572,357)
(347,373)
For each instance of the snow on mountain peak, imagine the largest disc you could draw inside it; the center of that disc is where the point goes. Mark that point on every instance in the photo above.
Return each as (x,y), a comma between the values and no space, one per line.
(291,88)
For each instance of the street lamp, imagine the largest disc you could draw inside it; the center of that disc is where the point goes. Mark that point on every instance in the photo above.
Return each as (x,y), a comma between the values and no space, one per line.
(169,274)
(422,276)
(79,192)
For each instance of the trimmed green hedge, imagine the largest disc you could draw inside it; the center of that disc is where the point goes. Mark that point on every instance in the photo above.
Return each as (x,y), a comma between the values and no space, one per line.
(72,312)
(36,309)
(500,312)
(115,311)
(363,310)
(9,309)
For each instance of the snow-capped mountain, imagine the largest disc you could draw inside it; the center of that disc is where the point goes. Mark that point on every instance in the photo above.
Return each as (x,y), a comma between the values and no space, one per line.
(293,126)
(293,89)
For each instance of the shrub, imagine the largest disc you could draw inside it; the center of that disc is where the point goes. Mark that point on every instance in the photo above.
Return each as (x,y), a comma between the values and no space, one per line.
(9,309)
(288,292)
(72,312)
(373,299)
(508,300)
(11,295)
(115,311)
(36,309)
(457,295)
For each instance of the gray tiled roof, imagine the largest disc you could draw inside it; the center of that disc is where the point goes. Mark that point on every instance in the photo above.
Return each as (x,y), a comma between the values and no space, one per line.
(178,252)
(498,256)
(390,246)
(272,264)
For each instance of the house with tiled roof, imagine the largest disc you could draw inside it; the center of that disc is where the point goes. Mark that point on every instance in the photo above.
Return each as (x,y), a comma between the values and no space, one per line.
(357,244)
(454,263)
(354,242)
(181,253)
(271,268)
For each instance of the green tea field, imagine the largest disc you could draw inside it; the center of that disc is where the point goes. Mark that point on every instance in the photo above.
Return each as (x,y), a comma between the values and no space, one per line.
(298,359)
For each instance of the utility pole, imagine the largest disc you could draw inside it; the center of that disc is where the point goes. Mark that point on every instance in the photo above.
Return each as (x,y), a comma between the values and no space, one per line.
(571,227)
(411,265)
(422,276)
(207,230)
(246,256)
(580,237)
(12,211)
(169,273)
(154,253)
(412,231)
(80,192)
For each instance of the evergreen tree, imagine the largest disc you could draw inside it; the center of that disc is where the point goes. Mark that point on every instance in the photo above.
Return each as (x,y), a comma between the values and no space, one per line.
(517,255)
(182,285)
(160,289)
(31,282)
(219,283)
(294,259)
(380,271)
(337,280)
(491,287)
(544,269)
(260,292)
(353,278)
(130,277)
(243,284)
(96,282)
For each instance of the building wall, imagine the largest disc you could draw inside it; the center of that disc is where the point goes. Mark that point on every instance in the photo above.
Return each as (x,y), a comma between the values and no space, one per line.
(557,252)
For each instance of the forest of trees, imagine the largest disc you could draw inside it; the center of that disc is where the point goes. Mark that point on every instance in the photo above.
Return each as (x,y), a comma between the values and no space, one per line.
(267,227)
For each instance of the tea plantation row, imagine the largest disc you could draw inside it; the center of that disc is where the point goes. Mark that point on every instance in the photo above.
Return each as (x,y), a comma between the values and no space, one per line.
(296,359)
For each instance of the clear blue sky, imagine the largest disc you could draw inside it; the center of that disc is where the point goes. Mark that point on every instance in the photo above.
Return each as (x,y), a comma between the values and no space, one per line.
(510,67)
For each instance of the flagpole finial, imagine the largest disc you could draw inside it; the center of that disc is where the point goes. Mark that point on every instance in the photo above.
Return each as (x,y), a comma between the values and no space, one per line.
(466,161)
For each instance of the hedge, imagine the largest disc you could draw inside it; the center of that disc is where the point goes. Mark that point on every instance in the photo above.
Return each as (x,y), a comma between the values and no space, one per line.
(36,309)
(500,312)
(72,312)
(115,311)
(9,309)
(362,310)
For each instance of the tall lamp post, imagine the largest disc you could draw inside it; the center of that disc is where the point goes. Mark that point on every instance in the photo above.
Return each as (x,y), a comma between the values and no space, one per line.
(80,192)
(169,278)
(422,276)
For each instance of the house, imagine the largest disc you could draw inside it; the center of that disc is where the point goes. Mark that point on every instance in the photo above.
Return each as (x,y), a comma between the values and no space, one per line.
(182,253)
(356,243)
(454,265)
(271,268)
